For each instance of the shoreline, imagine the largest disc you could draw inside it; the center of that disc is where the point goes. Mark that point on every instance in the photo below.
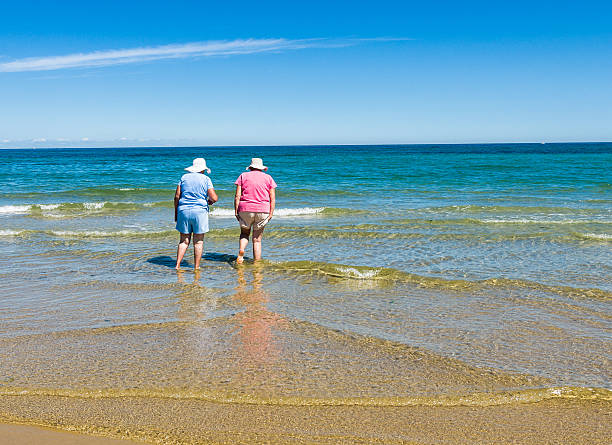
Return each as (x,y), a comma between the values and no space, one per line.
(23,434)
(175,421)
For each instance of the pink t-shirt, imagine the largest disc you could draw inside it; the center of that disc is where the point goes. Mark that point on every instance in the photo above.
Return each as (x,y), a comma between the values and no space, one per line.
(256,186)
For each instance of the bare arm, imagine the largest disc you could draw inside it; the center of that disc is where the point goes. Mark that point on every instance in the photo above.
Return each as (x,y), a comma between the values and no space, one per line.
(272,202)
(212,196)
(237,200)
(177,196)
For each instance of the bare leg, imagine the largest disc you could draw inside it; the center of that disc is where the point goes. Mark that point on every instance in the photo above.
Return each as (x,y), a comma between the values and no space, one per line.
(244,241)
(257,236)
(182,248)
(198,248)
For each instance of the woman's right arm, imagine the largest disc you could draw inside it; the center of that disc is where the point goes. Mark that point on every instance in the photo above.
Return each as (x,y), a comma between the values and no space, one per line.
(212,196)
(237,200)
(177,197)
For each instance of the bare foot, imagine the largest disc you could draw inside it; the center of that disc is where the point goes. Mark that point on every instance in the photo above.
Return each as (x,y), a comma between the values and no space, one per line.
(240,257)
(178,267)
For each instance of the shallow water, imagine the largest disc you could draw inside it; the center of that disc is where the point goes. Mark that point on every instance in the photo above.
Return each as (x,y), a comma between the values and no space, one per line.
(476,275)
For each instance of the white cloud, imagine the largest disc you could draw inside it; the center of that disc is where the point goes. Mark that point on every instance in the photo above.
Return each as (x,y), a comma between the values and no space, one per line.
(6,141)
(194,49)
(84,139)
(39,140)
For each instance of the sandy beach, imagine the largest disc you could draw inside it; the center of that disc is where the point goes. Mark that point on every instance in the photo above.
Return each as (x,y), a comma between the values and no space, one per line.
(11,434)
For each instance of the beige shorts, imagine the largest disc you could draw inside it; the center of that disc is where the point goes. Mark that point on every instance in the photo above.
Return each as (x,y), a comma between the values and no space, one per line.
(257,220)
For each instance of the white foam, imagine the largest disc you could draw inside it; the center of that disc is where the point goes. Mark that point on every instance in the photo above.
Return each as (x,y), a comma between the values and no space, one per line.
(298,211)
(597,236)
(49,206)
(15,210)
(93,233)
(9,232)
(54,215)
(543,221)
(361,274)
(93,205)
(513,221)
(221,212)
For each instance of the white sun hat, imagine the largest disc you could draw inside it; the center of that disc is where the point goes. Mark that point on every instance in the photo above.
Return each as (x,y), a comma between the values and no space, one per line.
(199,165)
(257,163)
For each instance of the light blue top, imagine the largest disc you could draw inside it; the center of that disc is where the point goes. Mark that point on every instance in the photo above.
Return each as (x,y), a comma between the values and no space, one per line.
(194,191)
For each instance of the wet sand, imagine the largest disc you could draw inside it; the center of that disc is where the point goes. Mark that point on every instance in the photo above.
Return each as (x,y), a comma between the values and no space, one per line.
(168,421)
(32,435)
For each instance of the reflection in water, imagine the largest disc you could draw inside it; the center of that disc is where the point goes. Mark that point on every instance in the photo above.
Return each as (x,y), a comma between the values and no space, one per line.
(195,304)
(255,325)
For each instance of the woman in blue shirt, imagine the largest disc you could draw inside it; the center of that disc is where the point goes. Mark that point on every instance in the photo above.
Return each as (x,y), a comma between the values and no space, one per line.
(194,193)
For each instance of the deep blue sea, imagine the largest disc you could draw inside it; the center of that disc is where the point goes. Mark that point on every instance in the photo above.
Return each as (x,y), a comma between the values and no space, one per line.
(485,256)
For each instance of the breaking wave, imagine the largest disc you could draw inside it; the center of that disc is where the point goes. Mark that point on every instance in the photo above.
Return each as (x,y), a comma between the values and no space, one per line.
(513,210)
(221,212)
(15,210)
(382,274)
(83,209)
(595,236)
(352,232)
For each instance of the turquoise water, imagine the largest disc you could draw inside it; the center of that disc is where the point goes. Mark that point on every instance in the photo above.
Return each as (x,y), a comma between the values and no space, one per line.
(540,212)
(496,255)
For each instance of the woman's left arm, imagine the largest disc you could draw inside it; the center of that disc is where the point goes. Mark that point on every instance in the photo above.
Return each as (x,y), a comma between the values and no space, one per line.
(272,202)
(177,197)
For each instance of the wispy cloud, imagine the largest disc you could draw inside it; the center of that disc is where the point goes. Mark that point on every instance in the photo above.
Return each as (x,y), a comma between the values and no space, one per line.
(180,51)
(145,54)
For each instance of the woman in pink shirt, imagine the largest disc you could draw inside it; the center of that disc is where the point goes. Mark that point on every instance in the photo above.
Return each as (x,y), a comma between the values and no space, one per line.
(253,205)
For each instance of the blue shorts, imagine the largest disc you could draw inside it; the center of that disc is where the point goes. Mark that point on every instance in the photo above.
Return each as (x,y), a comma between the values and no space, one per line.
(192,220)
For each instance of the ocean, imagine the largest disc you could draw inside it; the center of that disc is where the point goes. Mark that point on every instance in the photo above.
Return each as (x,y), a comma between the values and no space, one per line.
(393,276)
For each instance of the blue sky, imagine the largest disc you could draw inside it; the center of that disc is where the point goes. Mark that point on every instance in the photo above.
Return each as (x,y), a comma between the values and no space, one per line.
(255,73)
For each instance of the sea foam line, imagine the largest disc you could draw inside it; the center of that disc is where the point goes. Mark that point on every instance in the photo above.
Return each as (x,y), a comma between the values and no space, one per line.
(10,232)
(27,208)
(92,206)
(601,236)
(15,210)
(544,221)
(221,212)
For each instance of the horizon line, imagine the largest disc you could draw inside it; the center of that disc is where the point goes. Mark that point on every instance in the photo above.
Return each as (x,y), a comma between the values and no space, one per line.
(312,145)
